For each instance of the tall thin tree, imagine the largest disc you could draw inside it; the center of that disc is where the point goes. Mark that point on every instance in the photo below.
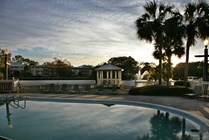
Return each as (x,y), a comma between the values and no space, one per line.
(173,40)
(149,27)
(196,17)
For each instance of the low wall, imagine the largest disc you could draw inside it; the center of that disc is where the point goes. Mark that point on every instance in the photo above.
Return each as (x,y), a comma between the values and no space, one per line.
(34,86)
(44,82)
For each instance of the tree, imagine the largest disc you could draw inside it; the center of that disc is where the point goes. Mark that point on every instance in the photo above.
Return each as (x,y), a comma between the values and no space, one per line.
(2,59)
(145,66)
(26,61)
(154,71)
(59,68)
(164,127)
(129,65)
(173,32)
(18,58)
(151,68)
(195,69)
(150,27)
(196,18)
(5,57)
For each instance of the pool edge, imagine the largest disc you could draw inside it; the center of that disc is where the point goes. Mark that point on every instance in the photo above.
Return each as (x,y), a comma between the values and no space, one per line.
(183,113)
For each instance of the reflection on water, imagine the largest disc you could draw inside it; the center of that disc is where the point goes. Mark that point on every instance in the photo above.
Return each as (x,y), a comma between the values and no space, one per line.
(164,127)
(51,120)
(8,115)
(15,103)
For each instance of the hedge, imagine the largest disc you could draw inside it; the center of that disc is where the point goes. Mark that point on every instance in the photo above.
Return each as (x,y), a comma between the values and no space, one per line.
(160,90)
(181,83)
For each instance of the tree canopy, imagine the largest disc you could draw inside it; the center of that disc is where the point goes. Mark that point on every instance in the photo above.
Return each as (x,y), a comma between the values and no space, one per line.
(58,63)
(195,69)
(25,61)
(165,27)
(196,21)
(129,65)
(151,25)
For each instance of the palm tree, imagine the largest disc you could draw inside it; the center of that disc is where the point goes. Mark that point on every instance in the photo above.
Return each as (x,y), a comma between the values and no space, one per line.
(197,25)
(173,40)
(150,27)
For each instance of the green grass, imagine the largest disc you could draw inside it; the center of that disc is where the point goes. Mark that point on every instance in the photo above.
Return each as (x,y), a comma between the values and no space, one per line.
(157,90)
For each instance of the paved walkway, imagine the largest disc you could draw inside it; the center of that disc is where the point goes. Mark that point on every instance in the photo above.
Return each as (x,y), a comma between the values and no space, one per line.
(194,106)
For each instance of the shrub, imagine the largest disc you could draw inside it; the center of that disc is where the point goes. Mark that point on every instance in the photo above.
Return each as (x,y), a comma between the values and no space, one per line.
(181,83)
(160,90)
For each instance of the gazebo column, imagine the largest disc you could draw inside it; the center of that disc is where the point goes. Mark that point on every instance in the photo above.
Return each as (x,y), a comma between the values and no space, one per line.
(108,78)
(109,75)
(102,77)
(115,80)
(111,80)
(119,76)
(98,77)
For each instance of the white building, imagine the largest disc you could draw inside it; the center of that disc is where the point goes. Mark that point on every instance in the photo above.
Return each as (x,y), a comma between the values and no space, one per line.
(109,75)
(16,66)
(37,70)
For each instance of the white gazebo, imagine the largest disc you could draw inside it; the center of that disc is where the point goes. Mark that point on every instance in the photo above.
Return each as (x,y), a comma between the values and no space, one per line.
(109,75)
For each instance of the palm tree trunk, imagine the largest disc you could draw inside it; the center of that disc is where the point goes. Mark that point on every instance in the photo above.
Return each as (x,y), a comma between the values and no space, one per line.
(168,70)
(186,68)
(160,66)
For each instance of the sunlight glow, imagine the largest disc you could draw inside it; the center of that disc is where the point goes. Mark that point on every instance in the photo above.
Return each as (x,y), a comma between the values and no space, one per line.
(206,42)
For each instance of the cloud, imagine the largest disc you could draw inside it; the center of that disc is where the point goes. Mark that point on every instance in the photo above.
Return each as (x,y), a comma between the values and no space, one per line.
(85,31)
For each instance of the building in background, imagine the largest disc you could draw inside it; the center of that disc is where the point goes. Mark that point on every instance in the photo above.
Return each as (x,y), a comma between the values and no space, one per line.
(16,66)
(109,75)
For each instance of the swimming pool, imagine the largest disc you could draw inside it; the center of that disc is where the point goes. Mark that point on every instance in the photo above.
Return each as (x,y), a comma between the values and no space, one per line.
(44,119)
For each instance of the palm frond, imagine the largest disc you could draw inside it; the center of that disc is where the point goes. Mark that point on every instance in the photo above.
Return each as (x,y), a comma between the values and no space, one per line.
(190,11)
(202,7)
(144,30)
(151,8)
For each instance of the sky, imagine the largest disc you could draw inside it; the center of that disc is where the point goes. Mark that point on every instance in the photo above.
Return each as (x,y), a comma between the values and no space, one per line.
(85,32)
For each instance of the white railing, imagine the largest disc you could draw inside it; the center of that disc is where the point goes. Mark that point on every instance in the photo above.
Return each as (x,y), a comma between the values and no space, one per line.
(9,86)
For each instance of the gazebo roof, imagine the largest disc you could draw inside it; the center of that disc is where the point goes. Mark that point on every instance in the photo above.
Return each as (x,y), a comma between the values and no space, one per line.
(109,67)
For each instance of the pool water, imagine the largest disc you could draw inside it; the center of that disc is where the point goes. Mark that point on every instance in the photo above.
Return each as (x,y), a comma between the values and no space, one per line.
(81,121)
